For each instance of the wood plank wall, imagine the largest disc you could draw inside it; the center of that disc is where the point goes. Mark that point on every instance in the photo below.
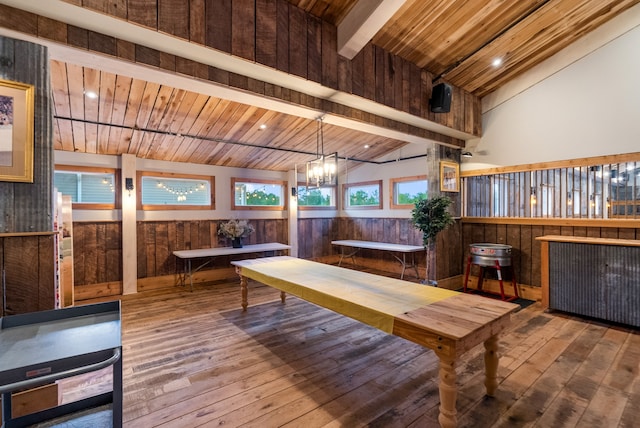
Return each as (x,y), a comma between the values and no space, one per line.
(97,252)
(98,246)
(158,239)
(273,33)
(29,284)
(315,236)
(526,250)
(26,209)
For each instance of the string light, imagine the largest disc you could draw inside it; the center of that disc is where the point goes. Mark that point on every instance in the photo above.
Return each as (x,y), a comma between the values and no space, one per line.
(181,192)
(107,180)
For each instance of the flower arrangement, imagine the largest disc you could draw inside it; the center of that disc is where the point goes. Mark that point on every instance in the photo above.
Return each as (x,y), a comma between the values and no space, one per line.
(235,229)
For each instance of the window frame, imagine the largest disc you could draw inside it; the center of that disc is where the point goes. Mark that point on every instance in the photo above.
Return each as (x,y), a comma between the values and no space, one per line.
(150,207)
(345,195)
(94,170)
(392,190)
(334,199)
(281,183)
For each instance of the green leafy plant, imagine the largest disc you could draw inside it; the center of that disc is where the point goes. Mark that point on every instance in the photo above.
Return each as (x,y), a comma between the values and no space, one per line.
(431,216)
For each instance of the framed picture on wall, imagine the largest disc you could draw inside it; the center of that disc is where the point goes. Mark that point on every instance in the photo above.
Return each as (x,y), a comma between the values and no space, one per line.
(16,131)
(449,177)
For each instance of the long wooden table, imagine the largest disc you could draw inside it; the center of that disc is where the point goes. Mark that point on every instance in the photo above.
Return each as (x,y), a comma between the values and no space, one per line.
(212,253)
(357,245)
(446,321)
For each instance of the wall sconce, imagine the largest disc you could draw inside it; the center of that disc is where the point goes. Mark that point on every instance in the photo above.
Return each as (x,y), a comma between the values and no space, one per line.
(533,196)
(128,184)
(294,192)
(569,199)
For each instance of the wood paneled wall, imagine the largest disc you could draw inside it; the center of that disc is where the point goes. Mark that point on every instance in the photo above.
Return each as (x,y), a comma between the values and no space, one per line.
(158,239)
(526,250)
(273,33)
(97,252)
(27,263)
(98,246)
(315,236)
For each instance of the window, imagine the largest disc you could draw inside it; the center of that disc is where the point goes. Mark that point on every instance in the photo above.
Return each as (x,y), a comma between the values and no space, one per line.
(160,191)
(406,191)
(316,197)
(89,188)
(365,195)
(251,194)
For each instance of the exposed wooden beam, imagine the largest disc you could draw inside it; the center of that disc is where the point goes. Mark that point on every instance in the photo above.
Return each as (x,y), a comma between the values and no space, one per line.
(362,23)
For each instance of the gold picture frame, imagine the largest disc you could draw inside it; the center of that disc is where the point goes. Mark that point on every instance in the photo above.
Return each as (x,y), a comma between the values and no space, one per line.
(449,177)
(16,131)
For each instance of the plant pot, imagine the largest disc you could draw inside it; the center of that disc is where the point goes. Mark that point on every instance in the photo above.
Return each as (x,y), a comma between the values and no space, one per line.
(236,242)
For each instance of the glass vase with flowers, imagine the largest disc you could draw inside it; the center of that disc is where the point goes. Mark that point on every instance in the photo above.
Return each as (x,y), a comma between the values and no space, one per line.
(235,230)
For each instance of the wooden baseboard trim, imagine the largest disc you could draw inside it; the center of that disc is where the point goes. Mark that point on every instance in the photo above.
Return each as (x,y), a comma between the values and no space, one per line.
(108,289)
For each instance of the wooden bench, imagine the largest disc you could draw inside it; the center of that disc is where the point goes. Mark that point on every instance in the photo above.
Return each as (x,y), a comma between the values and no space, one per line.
(448,322)
(403,249)
(212,253)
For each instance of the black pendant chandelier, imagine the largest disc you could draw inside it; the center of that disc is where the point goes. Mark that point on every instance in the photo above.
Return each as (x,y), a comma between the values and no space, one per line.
(322,171)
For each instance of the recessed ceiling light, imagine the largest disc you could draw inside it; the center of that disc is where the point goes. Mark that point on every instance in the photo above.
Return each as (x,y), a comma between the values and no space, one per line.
(366,146)
(497,62)
(263,126)
(91,94)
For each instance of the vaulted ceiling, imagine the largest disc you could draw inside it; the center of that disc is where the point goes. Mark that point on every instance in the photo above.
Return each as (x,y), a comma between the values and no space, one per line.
(458,40)
(455,40)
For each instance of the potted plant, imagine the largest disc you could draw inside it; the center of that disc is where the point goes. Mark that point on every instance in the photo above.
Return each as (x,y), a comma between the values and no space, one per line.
(431,216)
(235,230)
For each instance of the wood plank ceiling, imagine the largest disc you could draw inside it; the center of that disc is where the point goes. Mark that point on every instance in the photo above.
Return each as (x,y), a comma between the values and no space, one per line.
(458,40)
(455,40)
(155,121)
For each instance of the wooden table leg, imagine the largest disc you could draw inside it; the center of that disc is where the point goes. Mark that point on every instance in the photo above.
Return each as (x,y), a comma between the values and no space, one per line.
(448,393)
(243,289)
(283,296)
(491,358)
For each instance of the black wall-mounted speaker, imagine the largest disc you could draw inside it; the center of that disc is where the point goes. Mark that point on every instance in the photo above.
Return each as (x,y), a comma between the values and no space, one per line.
(441,98)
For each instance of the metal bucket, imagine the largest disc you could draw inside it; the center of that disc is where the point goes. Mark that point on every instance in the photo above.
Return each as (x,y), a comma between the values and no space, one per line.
(487,254)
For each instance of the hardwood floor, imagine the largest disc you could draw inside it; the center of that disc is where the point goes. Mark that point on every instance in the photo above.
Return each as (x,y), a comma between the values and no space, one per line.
(194,359)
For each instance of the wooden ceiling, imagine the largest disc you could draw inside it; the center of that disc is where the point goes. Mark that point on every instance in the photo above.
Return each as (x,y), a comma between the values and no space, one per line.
(154,121)
(456,40)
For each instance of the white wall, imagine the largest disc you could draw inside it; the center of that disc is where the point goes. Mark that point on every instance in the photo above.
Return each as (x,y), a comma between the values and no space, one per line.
(364,172)
(589,106)
(385,172)
(222,176)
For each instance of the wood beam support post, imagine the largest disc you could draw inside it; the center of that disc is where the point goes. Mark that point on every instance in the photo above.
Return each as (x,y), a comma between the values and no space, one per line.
(129,240)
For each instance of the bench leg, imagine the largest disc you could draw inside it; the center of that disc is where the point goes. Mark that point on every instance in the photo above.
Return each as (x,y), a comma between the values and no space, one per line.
(448,393)
(491,358)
